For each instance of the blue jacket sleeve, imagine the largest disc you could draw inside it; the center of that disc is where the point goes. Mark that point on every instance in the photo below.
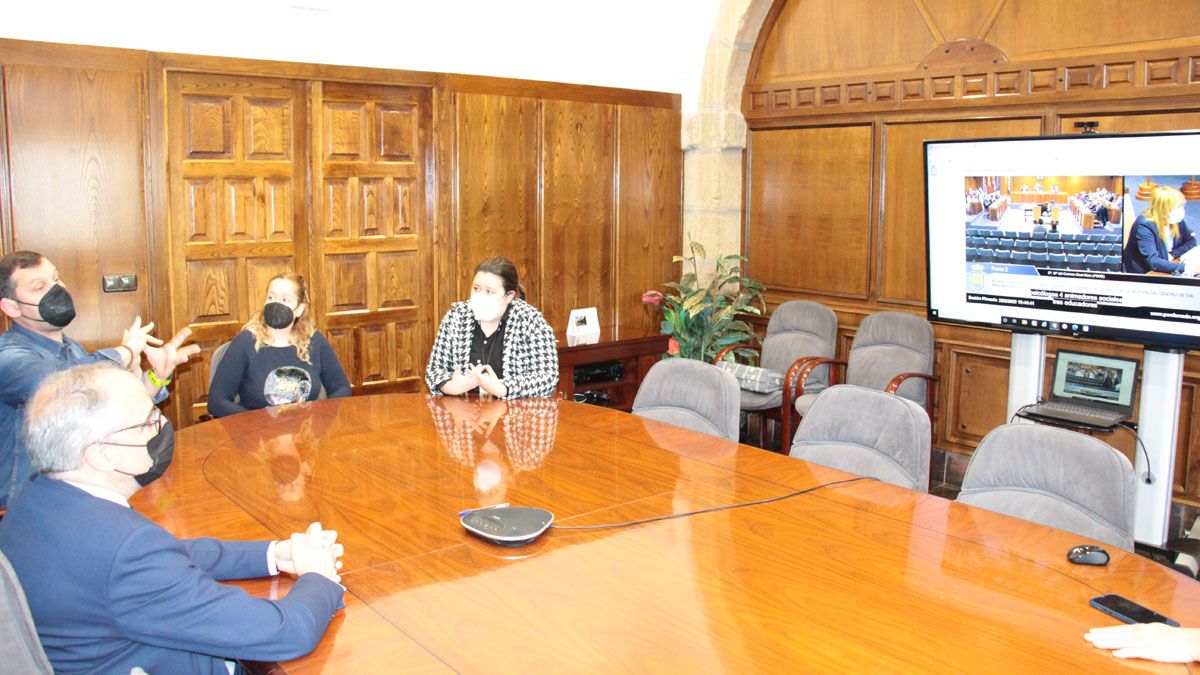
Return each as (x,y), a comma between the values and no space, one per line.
(333,377)
(1147,240)
(159,596)
(229,559)
(228,378)
(22,370)
(1185,242)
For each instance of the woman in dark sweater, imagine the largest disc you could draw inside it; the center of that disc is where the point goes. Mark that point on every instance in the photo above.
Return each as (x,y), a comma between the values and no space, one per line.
(279,357)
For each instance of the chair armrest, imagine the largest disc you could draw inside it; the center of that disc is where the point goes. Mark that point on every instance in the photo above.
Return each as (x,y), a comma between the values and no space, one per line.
(724,352)
(930,391)
(798,373)
(899,380)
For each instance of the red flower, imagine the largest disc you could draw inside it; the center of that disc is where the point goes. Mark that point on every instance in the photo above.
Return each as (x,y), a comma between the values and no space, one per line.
(652,298)
(672,347)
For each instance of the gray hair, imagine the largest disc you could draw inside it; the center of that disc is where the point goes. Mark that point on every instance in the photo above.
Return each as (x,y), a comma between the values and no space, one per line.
(71,410)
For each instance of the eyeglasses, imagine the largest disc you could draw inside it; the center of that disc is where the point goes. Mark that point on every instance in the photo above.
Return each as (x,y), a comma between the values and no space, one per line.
(154,420)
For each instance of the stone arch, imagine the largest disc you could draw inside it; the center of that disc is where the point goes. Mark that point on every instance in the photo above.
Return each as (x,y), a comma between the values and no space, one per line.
(714,136)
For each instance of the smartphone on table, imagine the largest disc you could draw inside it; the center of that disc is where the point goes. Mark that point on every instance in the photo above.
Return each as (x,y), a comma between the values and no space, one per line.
(1129,611)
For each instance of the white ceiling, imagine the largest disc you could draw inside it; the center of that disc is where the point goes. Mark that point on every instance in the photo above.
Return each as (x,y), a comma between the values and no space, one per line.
(656,45)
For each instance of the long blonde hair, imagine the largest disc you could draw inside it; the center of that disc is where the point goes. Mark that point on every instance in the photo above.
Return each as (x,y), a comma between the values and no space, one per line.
(1163,201)
(302,328)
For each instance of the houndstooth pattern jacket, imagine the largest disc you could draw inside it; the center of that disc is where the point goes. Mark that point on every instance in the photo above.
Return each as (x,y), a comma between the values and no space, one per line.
(530,352)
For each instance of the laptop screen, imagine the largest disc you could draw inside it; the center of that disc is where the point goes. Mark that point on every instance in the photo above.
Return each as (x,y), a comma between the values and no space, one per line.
(1093,378)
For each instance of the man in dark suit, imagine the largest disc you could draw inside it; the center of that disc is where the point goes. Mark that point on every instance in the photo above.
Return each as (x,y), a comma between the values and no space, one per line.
(111,591)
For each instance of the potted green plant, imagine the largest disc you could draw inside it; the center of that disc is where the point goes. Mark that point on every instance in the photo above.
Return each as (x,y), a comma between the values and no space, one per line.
(703,320)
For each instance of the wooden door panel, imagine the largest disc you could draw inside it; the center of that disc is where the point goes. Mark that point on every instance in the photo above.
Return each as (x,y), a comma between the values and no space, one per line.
(74,164)
(650,208)
(977,394)
(233,170)
(810,204)
(577,209)
(368,239)
(497,203)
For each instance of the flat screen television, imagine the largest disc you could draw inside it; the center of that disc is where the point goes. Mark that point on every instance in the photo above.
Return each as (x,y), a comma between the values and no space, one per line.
(1043,235)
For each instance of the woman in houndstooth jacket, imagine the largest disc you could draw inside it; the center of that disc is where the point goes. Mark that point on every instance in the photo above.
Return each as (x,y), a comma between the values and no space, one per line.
(494,343)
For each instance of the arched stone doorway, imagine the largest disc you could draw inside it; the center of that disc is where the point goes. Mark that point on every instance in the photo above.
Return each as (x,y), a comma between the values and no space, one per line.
(714,136)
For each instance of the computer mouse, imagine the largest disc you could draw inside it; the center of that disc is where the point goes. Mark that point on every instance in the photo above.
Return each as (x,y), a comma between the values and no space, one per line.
(1088,554)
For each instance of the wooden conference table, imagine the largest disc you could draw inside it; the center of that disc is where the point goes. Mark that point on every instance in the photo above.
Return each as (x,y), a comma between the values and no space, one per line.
(854,577)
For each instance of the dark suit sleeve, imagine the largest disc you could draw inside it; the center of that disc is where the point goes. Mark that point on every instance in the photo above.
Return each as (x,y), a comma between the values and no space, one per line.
(229,559)
(159,596)
(1146,239)
(1185,242)
(333,377)
(228,379)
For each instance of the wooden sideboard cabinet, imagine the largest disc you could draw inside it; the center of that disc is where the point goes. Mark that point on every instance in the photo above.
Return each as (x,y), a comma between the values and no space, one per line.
(634,348)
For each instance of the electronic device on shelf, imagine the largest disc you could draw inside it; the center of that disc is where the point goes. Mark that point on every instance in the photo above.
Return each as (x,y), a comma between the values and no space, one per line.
(599,372)
(1093,391)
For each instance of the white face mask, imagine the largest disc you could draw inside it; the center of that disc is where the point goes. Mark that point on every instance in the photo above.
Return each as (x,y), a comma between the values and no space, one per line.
(487,475)
(1176,216)
(486,308)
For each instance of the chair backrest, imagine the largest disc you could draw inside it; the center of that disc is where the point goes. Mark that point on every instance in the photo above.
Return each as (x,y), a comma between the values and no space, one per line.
(217,355)
(888,344)
(1054,477)
(800,328)
(869,433)
(691,394)
(20,649)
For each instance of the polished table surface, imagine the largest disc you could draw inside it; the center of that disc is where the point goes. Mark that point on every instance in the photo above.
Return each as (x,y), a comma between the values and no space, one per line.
(848,577)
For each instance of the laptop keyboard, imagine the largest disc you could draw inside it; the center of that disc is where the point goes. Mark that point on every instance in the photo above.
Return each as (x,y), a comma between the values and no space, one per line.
(1078,411)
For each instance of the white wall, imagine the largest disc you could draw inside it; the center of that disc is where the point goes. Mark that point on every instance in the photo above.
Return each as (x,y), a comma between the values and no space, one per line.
(656,45)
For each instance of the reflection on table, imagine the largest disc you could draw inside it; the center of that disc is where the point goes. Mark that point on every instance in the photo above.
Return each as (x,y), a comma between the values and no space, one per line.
(863,576)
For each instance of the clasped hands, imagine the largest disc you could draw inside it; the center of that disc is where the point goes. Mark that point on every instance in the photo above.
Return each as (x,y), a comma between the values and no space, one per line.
(314,550)
(162,357)
(469,377)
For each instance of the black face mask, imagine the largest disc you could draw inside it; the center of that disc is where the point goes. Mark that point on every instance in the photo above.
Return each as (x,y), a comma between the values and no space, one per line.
(278,315)
(56,307)
(161,448)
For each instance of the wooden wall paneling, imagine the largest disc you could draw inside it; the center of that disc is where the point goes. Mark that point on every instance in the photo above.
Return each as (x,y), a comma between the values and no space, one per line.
(441,200)
(978,379)
(1073,27)
(836,37)
(75,160)
(1187,463)
(6,233)
(649,209)
(236,167)
(497,167)
(1139,121)
(578,162)
(901,277)
(809,209)
(370,234)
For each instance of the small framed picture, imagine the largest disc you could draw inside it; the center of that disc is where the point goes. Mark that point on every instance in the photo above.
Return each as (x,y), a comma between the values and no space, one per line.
(583,327)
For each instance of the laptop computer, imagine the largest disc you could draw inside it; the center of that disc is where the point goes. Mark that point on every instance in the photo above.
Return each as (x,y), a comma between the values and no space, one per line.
(1092,391)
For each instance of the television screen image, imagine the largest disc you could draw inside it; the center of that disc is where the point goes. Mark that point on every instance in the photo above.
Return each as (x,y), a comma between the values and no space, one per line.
(1093,380)
(1083,235)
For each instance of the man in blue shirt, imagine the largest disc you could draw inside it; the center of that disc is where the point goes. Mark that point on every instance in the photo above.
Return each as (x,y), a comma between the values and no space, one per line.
(39,308)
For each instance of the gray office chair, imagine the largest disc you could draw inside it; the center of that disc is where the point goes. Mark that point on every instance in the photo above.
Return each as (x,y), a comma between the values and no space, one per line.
(797,330)
(867,432)
(690,394)
(20,650)
(1054,477)
(892,351)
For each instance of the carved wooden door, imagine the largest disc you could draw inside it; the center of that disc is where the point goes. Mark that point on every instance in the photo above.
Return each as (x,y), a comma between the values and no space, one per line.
(236,179)
(370,238)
